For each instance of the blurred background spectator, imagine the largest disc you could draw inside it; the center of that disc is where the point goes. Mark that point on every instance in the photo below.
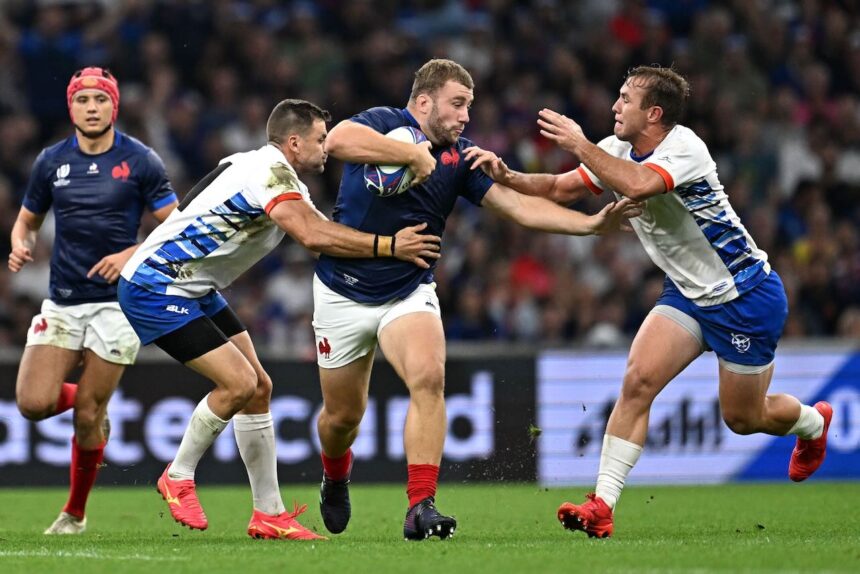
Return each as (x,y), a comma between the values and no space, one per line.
(776,96)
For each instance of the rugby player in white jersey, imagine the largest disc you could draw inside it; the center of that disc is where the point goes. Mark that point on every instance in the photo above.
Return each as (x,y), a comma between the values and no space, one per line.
(720,293)
(169,292)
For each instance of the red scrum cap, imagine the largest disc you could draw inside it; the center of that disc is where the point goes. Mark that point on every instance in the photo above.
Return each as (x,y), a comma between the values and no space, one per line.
(93,78)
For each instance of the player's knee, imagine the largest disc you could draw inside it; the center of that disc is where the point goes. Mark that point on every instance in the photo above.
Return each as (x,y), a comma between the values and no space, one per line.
(87,419)
(343,421)
(35,409)
(242,388)
(264,387)
(428,380)
(640,386)
(741,423)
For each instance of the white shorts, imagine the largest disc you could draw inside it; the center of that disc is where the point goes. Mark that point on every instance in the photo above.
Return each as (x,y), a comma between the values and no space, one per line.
(100,327)
(347,330)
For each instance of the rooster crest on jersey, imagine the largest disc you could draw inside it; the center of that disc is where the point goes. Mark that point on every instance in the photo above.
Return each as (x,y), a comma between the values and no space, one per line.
(388,180)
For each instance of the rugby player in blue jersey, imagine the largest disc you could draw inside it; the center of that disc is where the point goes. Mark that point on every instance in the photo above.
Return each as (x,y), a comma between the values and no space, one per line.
(98,182)
(169,291)
(359,302)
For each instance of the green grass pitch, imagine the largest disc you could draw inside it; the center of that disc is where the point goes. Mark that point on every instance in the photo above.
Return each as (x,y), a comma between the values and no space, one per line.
(810,527)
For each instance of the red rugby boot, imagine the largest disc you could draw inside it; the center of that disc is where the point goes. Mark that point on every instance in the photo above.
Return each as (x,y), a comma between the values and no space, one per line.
(282,526)
(594,517)
(808,455)
(181,498)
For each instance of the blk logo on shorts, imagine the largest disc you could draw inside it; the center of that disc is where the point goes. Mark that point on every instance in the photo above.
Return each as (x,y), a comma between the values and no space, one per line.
(39,328)
(176,309)
(325,348)
(121,171)
(741,342)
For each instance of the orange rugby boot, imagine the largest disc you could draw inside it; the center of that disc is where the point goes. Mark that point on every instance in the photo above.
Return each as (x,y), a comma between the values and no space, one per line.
(594,517)
(181,498)
(808,455)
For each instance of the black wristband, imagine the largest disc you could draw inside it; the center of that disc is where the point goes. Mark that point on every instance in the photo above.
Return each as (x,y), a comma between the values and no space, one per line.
(376,245)
(393,241)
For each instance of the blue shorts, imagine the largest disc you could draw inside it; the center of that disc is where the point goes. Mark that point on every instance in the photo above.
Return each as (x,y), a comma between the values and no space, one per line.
(744,331)
(153,315)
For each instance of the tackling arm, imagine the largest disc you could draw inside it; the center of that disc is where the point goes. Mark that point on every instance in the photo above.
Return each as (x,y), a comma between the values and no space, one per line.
(314,232)
(539,213)
(626,177)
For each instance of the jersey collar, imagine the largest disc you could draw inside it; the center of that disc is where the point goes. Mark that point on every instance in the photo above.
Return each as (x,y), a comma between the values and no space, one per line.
(640,158)
(410,118)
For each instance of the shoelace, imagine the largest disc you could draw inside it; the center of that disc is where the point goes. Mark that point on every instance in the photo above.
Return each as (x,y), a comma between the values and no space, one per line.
(297,510)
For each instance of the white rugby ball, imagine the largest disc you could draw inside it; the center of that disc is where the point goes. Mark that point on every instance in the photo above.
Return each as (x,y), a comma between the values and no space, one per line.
(388,180)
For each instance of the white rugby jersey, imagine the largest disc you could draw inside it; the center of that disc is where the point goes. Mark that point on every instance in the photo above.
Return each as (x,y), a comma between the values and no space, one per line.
(691,232)
(220,229)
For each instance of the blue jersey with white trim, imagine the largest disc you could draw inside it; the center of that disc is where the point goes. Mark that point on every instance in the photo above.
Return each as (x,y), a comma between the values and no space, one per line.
(375,281)
(98,200)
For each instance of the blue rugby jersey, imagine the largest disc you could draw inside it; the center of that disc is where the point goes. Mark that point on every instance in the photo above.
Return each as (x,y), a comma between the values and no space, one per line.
(375,281)
(98,201)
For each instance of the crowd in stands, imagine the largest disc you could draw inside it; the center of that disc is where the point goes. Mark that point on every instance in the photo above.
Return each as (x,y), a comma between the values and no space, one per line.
(775,95)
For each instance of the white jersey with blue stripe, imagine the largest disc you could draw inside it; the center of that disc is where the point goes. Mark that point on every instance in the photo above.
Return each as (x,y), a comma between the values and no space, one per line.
(691,232)
(220,229)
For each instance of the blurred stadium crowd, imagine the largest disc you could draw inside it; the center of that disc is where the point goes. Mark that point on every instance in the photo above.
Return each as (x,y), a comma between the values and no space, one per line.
(775,94)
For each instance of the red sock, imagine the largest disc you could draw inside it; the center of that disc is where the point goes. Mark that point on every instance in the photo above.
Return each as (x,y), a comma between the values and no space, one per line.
(83,470)
(68,392)
(422,482)
(337,468)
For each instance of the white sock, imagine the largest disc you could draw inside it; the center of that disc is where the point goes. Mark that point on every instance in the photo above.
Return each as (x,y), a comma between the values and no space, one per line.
(617,459)
(809,425)
(203,428)
(255,435)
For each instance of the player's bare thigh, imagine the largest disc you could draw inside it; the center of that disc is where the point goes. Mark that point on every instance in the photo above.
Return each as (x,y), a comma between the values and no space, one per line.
(260,403)
(345,390)
(414,344)
(42,371)
(663,347)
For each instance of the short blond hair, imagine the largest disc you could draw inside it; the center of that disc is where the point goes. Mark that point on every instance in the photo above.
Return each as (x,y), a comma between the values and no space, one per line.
(434,74)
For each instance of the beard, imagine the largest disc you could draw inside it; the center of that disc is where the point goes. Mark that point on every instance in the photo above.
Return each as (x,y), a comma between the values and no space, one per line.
(93,134)
(439,134)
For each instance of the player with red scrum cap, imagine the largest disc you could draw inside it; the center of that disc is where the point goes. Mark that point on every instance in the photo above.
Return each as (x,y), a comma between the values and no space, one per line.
(98,181)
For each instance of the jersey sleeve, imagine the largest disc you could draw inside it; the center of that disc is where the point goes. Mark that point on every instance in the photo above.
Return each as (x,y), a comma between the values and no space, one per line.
(280,183)
(477,182)
(155,185)
(39,196)
(680,162)
(592,182)
(381,119)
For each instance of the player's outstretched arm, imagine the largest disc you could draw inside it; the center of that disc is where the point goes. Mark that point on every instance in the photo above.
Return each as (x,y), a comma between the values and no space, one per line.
(563,188)
(110,266)
(539,213)
(356,143)
(24,234)
(313,231)
(627,178)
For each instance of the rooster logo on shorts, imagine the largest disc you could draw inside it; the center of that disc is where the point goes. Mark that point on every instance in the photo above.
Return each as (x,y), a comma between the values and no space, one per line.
(40,328)
(325,348)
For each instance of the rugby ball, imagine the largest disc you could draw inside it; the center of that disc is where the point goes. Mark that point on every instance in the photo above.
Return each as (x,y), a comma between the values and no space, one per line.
(388,180)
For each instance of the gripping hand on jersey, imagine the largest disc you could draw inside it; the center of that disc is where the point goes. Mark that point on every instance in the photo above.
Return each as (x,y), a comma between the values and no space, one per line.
(614,216)
(423,163)
(488,161)
(415,247)
(565,132)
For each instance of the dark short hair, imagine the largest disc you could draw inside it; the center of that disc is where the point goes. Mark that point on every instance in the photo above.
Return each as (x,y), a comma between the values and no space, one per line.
(664,87)
(293,117)
(433,75)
